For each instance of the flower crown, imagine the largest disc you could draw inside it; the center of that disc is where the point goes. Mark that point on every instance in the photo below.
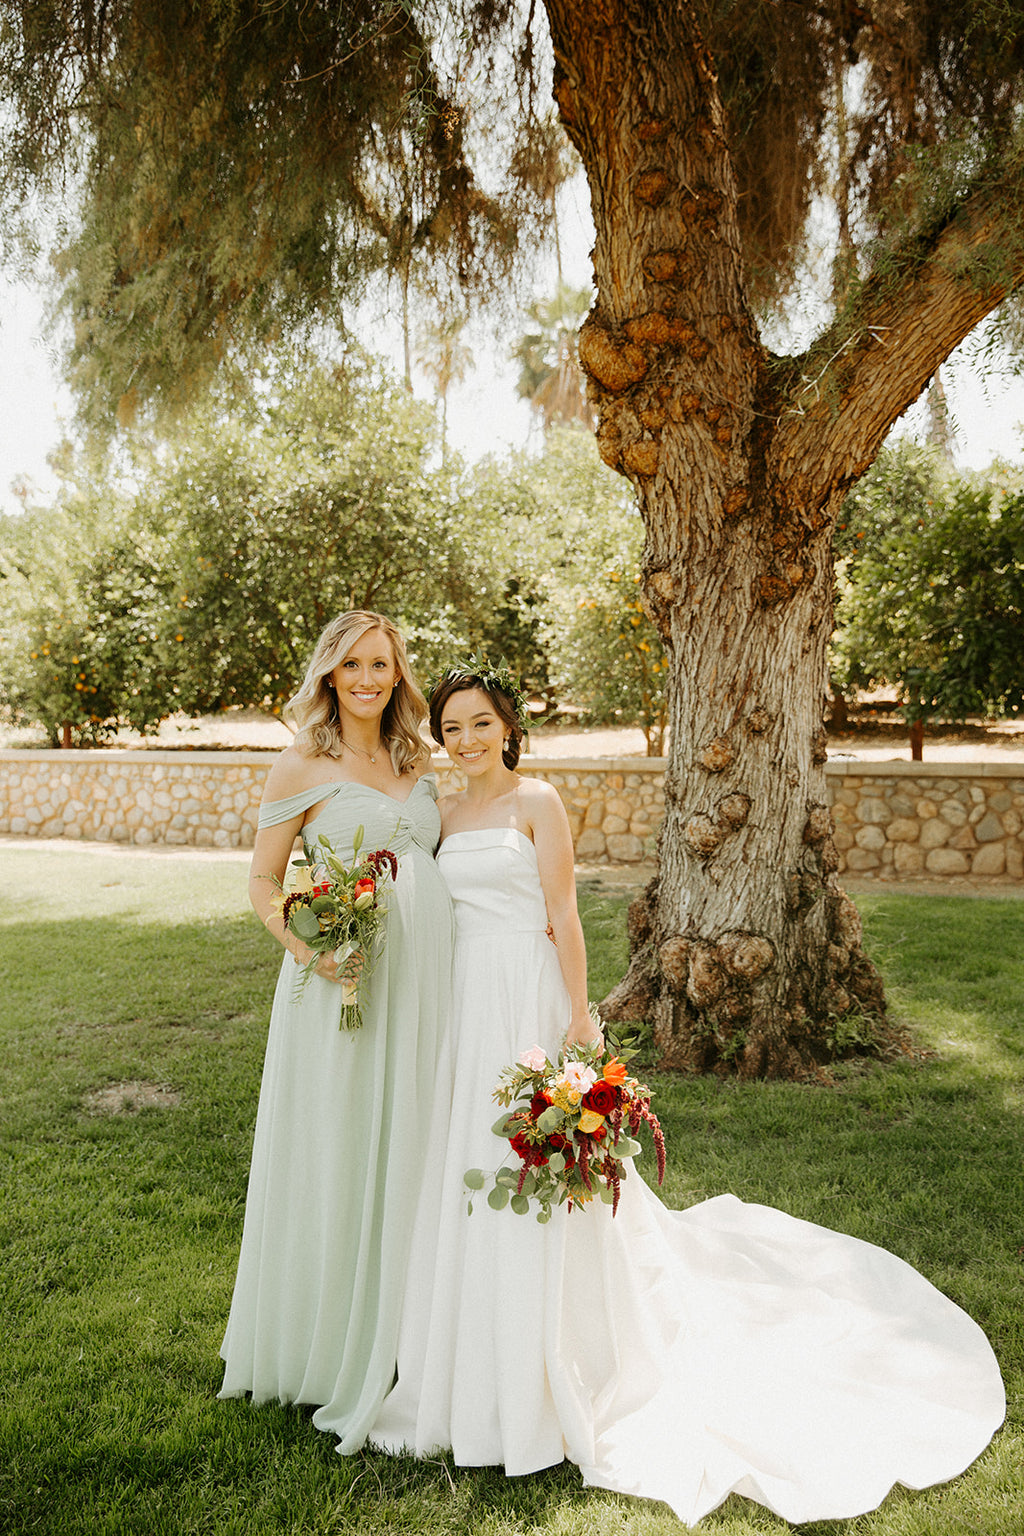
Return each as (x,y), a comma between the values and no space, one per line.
(497,677)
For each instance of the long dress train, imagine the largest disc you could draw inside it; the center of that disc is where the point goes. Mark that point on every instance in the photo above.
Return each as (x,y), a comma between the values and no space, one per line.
(338,1141)
(673,1355)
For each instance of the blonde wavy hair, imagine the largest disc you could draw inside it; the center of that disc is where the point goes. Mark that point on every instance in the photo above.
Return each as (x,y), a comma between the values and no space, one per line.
(313,710)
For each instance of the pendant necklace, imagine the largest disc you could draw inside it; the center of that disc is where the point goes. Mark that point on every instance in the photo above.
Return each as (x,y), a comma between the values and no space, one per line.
(353,748)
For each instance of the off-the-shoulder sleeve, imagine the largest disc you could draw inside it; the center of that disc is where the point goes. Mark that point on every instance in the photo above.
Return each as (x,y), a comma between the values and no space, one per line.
(273,812)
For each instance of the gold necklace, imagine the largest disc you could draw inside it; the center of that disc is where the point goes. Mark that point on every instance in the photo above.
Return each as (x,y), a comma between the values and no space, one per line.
(353,748)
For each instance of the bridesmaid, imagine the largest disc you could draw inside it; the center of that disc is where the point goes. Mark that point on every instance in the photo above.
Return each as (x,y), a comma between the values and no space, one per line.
(339,1129)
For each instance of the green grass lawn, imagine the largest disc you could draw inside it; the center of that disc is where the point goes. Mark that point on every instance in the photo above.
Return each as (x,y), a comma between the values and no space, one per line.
(120,1230)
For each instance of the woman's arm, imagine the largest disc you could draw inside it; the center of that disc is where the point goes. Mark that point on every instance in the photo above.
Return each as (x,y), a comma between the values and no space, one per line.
(556,863)
(271,854)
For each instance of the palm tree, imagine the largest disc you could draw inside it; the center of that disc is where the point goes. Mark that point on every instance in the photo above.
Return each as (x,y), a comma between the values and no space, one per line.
(445,358)
(550,376)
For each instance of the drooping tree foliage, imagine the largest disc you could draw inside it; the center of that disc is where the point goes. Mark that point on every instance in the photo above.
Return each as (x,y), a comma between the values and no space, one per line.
(240,166)
(236,169)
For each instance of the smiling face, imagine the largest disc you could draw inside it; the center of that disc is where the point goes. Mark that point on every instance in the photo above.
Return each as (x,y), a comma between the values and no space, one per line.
(365,677)
(472,731)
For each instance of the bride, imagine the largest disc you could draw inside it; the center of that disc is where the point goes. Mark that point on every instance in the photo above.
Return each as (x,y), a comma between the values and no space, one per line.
(681,1356)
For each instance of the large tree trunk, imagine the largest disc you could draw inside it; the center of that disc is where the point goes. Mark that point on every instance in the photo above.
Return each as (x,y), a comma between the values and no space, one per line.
(744,949)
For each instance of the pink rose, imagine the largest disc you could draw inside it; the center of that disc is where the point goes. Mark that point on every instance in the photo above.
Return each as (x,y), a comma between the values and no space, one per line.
(534,1060)
(578,1077)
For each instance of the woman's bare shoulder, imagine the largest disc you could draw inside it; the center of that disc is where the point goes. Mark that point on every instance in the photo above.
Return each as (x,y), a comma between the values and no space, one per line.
(448,805)
(537,795)
(293,771)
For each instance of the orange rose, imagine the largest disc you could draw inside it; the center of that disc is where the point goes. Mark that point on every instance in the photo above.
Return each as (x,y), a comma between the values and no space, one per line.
(614,1072)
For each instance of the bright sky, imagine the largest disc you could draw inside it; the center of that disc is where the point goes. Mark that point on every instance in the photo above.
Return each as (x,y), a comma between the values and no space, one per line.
(484,414)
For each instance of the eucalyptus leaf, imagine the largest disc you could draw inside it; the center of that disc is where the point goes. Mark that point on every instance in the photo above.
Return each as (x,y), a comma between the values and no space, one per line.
(507,1178)
(520,1204)
(608,1195)
(498,1198)
(502,1127)
(550,1119)
(303,924)
(474,1178)
(556,1162)
(625,1147)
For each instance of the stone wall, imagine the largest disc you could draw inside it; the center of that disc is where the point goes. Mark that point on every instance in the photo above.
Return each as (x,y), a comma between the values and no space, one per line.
(208,799)
(894,821)
(901,821)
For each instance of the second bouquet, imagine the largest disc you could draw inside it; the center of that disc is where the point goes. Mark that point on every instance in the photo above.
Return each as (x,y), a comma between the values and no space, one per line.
(572,1124)
(340,908)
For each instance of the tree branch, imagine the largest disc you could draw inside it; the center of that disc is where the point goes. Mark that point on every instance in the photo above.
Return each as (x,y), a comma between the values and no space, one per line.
(864,371)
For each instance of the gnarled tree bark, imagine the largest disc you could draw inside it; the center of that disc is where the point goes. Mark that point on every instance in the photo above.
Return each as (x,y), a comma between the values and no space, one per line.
(744,950)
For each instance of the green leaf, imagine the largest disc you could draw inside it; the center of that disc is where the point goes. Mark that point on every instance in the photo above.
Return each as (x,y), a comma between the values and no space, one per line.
(550,1120)
(303,924)
(556,1162)
(520,1204)
(625,1147)
(474,1178)
(503,1127)
(507,1178)
(498,1198)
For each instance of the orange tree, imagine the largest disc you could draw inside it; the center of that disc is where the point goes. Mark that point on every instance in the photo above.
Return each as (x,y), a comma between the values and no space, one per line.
(932,588)
(83,604)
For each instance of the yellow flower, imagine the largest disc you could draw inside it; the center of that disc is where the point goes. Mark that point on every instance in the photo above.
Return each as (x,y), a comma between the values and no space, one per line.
(566,1098)
(590,1121)
(303,881)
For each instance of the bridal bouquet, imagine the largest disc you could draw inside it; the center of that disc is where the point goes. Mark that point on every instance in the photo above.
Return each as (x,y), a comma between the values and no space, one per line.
(334,907)
(572,1125)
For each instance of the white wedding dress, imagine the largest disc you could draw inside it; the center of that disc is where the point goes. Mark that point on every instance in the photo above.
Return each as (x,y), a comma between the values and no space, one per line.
(681,1356)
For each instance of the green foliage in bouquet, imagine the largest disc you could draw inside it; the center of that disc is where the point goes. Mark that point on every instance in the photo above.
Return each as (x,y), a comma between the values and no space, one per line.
(337,908)
(573,1126)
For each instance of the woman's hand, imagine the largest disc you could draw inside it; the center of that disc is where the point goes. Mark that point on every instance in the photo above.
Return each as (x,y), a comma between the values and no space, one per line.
(584,1031)
(328,965)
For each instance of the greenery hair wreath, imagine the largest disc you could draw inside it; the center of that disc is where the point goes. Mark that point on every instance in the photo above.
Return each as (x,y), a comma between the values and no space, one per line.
(497,677)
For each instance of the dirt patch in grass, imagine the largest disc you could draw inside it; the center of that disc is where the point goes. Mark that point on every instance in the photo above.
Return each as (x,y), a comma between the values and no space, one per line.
(129,1098)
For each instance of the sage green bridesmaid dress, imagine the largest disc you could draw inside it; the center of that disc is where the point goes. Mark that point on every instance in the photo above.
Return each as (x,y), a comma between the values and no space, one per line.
(340,1131)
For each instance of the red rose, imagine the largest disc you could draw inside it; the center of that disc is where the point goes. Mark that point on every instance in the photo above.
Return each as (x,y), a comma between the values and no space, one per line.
(538,1104)
(521,1146)
(601,1098)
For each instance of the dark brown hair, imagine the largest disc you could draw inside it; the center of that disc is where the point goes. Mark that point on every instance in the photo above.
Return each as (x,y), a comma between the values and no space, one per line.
(462,680)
